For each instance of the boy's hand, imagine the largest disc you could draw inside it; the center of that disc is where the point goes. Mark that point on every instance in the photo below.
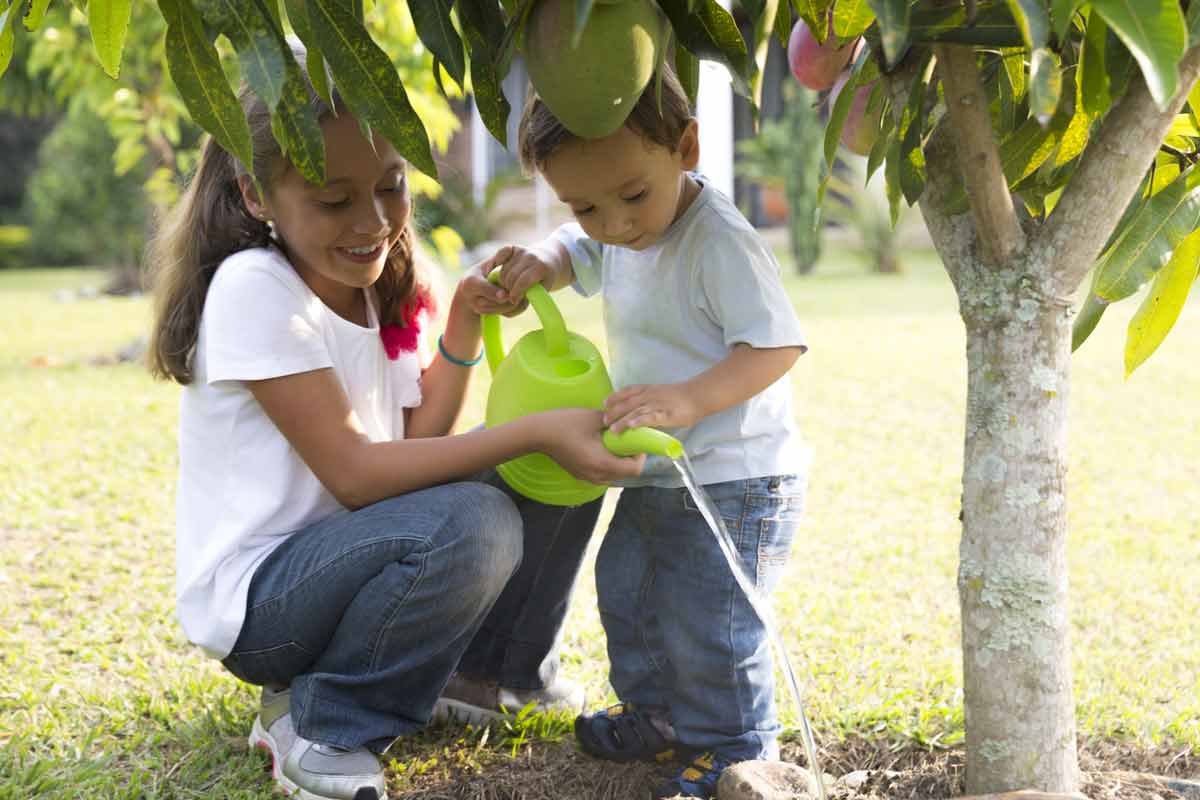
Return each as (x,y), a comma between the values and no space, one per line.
(522,267)
(484,297)
(658,405)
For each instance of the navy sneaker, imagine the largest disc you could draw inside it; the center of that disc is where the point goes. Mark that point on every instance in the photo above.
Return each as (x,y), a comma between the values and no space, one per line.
(697,779)
(627,733)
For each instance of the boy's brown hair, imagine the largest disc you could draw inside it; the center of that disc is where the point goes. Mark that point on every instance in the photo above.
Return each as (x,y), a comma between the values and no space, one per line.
(541,133)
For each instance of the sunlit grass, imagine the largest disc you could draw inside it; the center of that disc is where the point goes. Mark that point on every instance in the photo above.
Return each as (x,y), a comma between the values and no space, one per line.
(102,697)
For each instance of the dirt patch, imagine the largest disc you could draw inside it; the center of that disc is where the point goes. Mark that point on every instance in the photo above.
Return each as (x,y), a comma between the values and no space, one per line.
(1111,771)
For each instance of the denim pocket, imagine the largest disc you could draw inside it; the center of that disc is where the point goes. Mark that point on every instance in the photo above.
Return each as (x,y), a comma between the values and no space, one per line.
(730,504)
(270,666)
(779,506)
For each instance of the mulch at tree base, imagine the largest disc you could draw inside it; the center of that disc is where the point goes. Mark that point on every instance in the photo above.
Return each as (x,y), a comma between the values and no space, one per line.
(1111,771)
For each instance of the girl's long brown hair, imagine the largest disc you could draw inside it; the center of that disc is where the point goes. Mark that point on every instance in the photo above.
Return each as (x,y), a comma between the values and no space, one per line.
(210,223)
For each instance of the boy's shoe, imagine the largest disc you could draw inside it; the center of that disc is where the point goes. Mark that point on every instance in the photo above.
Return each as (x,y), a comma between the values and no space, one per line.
(627,733)
(309,770)
(697,779)
(478,702)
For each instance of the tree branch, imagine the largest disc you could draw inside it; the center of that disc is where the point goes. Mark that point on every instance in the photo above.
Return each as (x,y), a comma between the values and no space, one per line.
(996,222)
(1109,172)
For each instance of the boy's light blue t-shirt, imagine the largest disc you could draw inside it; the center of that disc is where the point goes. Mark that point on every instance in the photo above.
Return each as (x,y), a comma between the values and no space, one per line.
(676,309)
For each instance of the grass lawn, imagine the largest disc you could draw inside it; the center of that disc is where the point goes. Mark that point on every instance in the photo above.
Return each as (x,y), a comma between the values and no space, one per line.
(102,697)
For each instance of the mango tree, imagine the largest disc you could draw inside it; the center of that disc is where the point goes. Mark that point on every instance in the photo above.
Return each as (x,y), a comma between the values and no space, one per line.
(1044,141)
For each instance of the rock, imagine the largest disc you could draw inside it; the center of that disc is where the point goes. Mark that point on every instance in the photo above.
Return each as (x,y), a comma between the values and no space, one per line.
(766,780)
(1024,794)
(1189,789)
(855,780)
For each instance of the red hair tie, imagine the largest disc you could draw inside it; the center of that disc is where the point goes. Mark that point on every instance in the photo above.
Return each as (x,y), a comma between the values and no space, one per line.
(399,339)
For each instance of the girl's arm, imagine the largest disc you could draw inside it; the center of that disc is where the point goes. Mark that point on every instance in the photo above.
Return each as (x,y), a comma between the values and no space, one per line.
(313,413)
(444,384)
(742,374)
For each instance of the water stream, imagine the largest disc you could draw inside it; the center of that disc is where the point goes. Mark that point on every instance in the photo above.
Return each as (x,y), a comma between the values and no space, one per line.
(709,509)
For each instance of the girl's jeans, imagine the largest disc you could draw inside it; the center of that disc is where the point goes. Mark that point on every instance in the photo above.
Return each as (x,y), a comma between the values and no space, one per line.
(681,634)
(365,614)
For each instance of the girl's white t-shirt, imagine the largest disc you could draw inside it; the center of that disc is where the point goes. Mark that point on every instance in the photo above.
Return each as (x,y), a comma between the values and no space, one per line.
(242,488)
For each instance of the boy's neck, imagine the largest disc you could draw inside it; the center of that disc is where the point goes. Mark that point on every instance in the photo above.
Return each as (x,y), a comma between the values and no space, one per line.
(687,196)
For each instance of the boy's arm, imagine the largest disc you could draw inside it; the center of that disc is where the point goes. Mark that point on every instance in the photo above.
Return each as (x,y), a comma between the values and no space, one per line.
(742,374)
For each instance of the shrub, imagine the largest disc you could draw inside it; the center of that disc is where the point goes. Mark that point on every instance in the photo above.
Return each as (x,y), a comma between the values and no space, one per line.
(79,211)
(14,239)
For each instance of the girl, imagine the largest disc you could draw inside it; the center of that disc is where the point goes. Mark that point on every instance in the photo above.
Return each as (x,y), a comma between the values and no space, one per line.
(324,550)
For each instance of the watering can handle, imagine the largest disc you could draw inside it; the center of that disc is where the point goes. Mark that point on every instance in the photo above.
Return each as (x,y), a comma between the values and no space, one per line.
(547,311)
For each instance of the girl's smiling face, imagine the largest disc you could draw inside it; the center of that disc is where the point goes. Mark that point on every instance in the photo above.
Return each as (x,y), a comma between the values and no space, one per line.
(625,190)
(337,236)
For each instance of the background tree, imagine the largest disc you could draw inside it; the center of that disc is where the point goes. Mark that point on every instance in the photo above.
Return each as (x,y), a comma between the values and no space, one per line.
(1042,139)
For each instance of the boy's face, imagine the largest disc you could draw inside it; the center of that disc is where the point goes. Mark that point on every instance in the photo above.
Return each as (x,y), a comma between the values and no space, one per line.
(623,189)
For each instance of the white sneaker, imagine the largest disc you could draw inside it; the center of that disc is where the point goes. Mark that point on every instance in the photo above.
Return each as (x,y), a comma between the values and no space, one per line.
(478,702)
(310,770)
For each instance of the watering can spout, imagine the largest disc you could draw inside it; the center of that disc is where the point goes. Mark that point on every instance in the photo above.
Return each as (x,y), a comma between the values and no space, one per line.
(650,441)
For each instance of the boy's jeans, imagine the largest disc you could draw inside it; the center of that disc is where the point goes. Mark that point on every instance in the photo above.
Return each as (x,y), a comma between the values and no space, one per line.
(681,633)
(366,614)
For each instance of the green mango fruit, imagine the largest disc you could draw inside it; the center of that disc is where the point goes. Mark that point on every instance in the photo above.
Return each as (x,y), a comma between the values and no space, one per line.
(592,87)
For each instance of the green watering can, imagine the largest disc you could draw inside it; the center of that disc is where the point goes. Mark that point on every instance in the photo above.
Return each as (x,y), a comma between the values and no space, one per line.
(547,369)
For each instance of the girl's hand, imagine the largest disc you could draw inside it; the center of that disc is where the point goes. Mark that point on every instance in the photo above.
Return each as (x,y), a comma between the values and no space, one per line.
(658,405)
(522,267)
(572,438)
(484,297)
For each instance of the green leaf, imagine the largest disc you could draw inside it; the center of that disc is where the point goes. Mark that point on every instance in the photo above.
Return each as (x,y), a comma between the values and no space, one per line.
(1193,23)
(783,23)
(711,34)
(512,33)
(893,183)
(761,39)
(583,10)
(1087,319)
(1092,74)
(109,22)
(893,18)
(7,37)
(314,62)
(37,12)
(687,67)
(1032,19)
(1156,35)
(879,150)
(815,14)
(993,26)
(1150,238)
(1159,310)
(297,128)
(851,18)
(483,31)
(1061,12)
(841,108)
(911,133)
(1045,85)
(368,82)
(1075,137)
(196,70)
(431,18)
(254,36)
(1194,99)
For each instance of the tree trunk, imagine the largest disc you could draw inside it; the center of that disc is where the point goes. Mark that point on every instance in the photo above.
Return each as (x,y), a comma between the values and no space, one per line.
(1012,579)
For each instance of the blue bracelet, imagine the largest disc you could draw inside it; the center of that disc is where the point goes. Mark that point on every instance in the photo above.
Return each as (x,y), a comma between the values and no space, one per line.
(459,361)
